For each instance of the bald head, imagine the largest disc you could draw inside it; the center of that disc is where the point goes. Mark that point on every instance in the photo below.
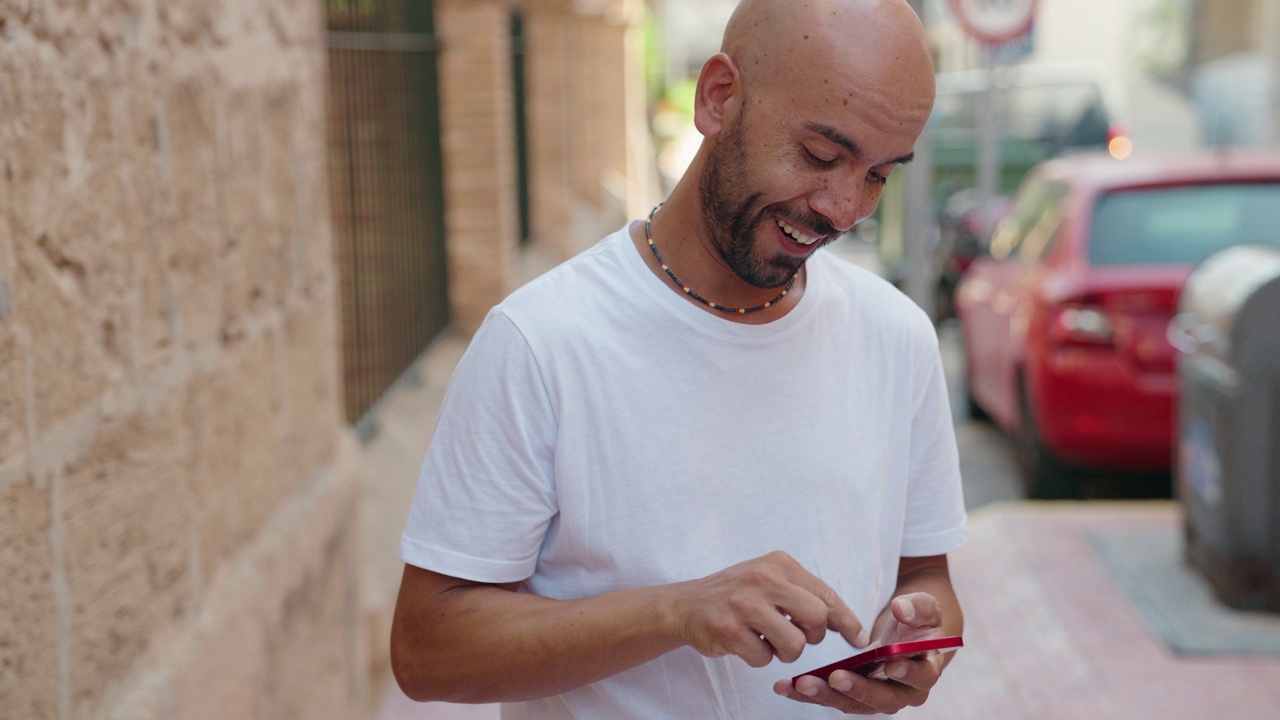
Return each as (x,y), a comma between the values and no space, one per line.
(870,51)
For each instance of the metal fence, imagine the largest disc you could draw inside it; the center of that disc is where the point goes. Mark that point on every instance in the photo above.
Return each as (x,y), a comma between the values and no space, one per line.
(387,190)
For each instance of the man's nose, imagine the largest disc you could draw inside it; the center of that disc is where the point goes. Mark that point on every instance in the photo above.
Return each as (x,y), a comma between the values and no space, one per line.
(838,203)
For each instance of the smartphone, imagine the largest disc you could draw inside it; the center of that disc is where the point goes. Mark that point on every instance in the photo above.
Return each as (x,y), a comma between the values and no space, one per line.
(871,662)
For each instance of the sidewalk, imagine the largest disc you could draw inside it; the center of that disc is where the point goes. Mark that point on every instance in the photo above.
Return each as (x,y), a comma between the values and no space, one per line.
(1062,624)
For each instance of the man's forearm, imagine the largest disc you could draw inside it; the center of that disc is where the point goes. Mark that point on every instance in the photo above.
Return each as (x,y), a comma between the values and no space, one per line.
(464,642)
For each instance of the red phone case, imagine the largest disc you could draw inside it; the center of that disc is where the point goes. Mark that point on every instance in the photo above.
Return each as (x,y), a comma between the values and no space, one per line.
(867,662)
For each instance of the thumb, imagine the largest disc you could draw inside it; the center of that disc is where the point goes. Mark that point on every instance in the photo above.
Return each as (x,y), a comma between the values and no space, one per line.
(917,610)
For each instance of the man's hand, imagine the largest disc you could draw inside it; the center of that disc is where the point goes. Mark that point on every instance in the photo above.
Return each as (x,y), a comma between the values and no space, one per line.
(761,609)
(915,616)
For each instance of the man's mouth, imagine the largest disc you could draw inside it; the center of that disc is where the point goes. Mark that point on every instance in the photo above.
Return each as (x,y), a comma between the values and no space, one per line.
(798,235)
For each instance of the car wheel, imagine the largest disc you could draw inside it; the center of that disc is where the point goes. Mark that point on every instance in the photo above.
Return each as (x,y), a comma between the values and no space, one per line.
(943,302)
(971,406)
(1043,476)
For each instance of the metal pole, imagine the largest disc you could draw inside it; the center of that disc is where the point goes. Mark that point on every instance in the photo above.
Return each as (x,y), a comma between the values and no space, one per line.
(921,230)
(988,169)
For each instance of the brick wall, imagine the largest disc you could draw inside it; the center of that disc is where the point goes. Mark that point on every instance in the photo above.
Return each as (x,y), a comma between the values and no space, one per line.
(478,144)
(177,492)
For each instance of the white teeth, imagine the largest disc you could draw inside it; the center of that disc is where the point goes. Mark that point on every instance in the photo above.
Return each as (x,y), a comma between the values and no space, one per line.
(796,234)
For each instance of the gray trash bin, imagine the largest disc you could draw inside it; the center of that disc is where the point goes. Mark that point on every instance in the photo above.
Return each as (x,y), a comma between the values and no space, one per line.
(1227,473)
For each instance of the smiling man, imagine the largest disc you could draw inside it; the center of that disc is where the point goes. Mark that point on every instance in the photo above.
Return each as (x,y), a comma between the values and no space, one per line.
(703,445)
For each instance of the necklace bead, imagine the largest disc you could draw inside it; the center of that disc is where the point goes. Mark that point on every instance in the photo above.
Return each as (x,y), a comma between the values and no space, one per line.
(648,234)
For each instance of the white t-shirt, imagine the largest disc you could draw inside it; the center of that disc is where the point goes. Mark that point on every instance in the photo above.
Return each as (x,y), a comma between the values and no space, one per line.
(602,432)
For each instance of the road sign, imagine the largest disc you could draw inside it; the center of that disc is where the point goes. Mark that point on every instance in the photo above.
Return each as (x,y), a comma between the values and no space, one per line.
(995,22)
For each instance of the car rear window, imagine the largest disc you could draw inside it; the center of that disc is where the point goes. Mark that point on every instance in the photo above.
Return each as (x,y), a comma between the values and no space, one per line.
(1182,224)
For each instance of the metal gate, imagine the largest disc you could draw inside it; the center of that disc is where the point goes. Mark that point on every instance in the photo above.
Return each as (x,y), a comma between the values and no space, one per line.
(387,191)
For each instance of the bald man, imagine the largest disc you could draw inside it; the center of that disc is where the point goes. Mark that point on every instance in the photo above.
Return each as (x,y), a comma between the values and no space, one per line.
(703,445)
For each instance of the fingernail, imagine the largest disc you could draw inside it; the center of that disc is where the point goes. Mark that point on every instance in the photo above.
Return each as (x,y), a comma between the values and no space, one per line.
(844,684)
(864,638)
(897,672)
(906,608)
(807,690)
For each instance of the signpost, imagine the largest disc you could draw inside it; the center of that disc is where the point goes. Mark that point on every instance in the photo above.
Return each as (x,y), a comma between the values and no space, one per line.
(997,24)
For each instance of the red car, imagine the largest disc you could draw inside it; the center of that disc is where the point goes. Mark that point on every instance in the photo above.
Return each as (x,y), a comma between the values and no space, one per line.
(1064,324)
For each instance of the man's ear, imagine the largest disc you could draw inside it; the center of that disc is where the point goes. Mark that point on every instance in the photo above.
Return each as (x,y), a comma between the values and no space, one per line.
(718,86)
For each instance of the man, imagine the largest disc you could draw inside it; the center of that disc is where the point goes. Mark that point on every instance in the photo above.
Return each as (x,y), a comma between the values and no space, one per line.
(699,446)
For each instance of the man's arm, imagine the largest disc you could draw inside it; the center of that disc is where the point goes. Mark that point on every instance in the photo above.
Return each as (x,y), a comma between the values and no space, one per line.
(461,641)
(924,606)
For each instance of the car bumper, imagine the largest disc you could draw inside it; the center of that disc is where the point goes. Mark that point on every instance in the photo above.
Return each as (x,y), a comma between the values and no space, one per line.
(1095,409)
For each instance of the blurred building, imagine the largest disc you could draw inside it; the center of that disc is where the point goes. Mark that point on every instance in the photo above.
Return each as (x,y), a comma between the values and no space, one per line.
(1233,70)
(230,234)
(691,33)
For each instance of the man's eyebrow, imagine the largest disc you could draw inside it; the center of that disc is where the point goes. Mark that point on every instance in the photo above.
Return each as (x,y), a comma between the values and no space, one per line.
(839,138)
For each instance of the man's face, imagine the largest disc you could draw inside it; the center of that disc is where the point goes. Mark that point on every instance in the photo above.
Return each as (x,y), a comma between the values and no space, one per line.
(777,187)
(734,213)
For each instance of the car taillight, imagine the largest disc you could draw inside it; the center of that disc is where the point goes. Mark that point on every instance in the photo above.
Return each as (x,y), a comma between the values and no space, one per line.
(1119,144)
(1081,325)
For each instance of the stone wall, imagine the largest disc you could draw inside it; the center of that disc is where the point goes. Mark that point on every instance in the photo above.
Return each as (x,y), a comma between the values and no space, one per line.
(187,528)
(177,491)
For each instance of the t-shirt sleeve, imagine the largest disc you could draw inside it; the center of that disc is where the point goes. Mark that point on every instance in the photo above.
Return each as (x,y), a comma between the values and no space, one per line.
(935,516)
(486,493)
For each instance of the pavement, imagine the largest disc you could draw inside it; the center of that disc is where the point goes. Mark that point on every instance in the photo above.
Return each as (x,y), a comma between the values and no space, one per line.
(1056,627)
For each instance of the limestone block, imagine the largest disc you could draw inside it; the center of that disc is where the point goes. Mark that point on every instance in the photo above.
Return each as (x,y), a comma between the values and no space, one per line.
(126,513)
(13,403)
(220,676)
(256,201)
(56,289)
(312,234)
(28,625)
(309,655)
(156,313)
(67,369)
(196,21)
(89,206)
(297,22)
(32,125)
(190,244)
(311,359)
(238,478)
(309,594)
(148,700)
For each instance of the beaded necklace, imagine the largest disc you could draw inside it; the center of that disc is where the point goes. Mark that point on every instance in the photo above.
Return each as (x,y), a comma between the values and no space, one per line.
(648,234)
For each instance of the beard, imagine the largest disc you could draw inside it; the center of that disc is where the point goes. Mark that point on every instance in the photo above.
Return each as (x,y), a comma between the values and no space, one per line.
(731,215)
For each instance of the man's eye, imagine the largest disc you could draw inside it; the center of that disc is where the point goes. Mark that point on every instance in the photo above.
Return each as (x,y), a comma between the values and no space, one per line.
(877,178)
(817,160)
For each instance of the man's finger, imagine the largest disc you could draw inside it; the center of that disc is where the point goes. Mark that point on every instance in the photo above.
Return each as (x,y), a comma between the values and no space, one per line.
(840,617)
(917,610)
(753,649)
(921,674)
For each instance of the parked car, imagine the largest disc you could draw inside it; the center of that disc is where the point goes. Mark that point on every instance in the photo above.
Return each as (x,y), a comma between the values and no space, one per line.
(1040,111)
(1064,323)
(965,225)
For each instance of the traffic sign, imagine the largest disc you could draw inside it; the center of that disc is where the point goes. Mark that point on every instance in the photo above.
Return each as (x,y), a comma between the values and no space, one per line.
(995,22)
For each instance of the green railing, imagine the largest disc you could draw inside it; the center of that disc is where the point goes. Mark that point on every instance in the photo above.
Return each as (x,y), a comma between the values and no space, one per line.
(386,191)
